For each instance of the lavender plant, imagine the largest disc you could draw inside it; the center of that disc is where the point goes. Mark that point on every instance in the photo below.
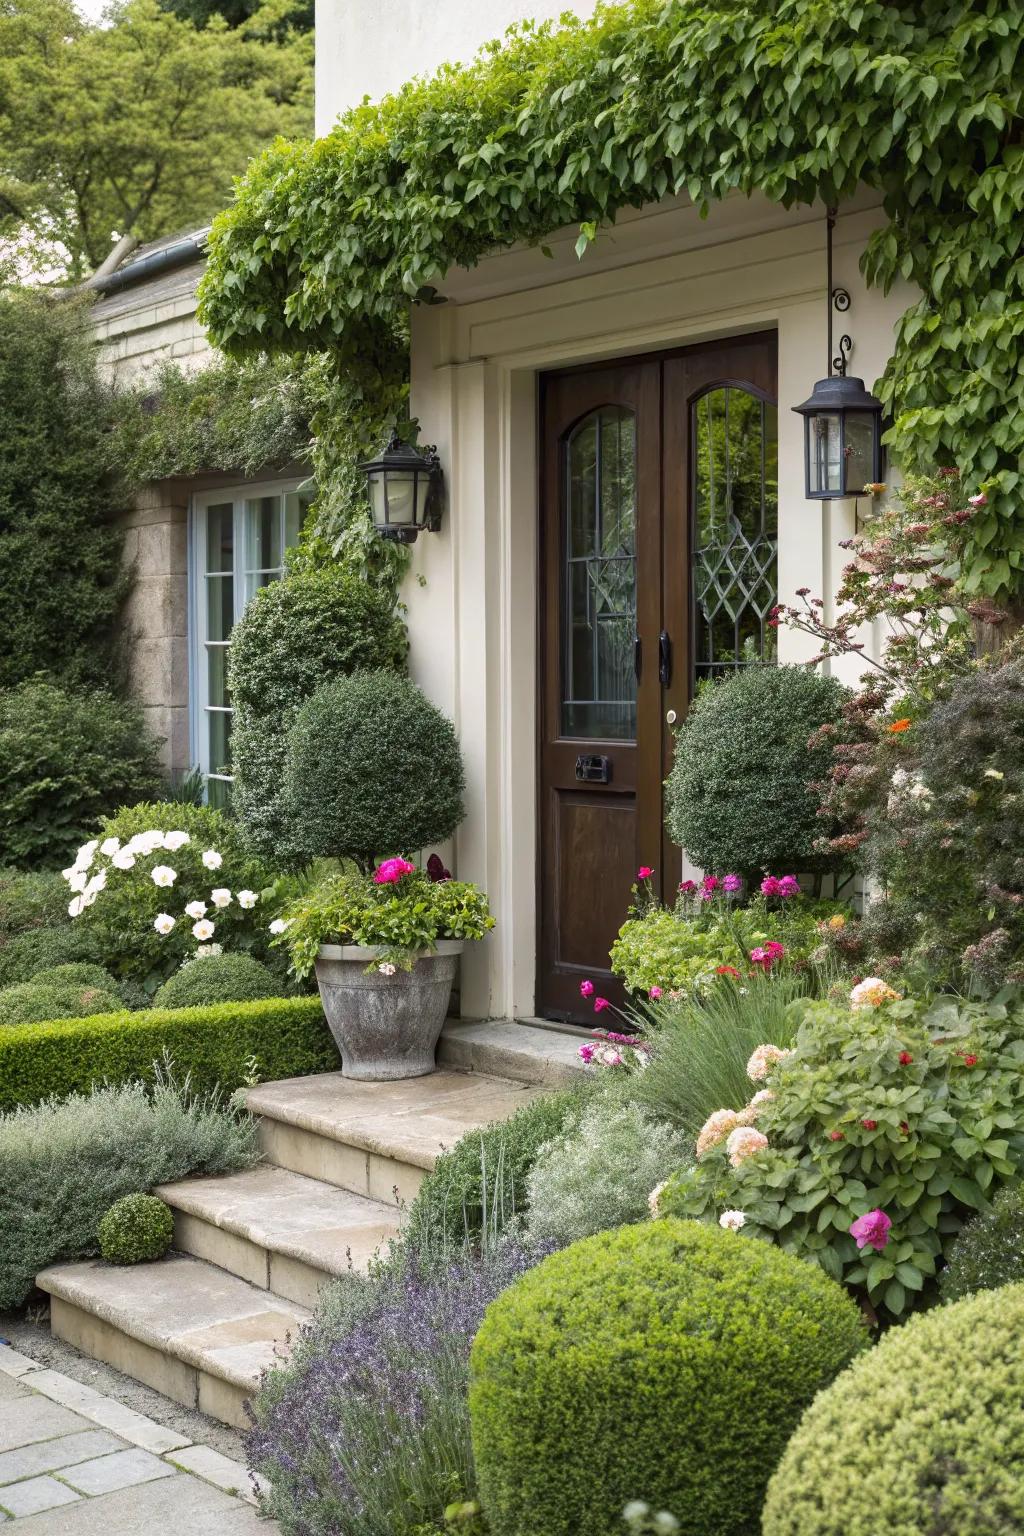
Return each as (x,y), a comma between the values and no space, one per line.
(366,1431)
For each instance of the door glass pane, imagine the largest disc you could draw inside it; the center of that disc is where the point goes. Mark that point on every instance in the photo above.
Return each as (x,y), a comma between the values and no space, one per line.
(599,619)
(264,533)
(217,668)
(736,529)
(220,607)
(220,739)
(220,536)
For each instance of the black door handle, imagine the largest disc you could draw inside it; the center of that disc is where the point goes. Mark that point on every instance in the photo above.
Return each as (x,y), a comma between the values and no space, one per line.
(664,659)
(638,656)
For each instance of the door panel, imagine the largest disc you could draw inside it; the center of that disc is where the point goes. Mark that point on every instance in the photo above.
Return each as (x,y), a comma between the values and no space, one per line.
(627,451)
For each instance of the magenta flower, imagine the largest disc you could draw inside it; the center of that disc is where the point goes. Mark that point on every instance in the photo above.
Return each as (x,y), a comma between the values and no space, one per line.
(392,870)
(771,885)
(688,887)
(586,1054)
(761,957)
(871,1230)
(711,883)
(732,883)
(600,1004)
(586,989)
(789,885)
(654,994)
(774,950)
(644,872)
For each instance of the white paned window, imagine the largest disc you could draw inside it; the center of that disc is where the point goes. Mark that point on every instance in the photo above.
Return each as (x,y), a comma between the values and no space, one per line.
(238,541)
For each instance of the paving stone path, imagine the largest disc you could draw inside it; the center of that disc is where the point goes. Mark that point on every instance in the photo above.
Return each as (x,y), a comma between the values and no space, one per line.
(76,1463)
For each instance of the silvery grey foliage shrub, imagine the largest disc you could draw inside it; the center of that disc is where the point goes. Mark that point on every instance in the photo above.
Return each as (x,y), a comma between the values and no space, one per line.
(601,1174)
(63,1164)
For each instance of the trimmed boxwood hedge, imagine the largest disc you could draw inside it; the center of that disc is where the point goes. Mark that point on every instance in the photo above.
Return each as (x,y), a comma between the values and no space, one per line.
(288,1037)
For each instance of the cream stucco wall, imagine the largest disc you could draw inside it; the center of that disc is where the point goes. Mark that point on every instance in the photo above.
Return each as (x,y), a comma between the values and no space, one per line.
(370,50)
(662,278)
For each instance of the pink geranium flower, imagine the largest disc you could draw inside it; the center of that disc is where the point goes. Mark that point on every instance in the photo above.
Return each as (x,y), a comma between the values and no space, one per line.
(732,883)
(391,871)
(711,882)
(600,1004)
(586,989)
(872,1230)
(789,885)
(655,993)
(771,886)
(644,872)
(688,887)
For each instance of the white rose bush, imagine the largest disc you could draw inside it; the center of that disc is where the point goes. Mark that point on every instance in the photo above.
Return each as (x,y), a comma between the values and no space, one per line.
(163,881)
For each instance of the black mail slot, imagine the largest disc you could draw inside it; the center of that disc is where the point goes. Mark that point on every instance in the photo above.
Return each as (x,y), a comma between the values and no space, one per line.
(593,769)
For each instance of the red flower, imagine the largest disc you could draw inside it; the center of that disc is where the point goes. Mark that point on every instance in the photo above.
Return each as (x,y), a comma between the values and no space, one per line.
(726,970)
(836,1136)
(906,1060)
(970,1061)
(870,1125)
(905,1128)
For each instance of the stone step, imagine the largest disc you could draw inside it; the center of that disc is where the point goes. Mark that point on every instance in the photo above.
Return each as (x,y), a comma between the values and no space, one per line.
(537,1052)
(278,1230)
(184,1327)
(377,1139)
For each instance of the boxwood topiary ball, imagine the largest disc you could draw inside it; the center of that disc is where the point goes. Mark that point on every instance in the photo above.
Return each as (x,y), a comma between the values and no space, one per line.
(218,979)
(923,1436)
(136,1229)
(34,1002)
(669,1361)
(738,797)
(373,768)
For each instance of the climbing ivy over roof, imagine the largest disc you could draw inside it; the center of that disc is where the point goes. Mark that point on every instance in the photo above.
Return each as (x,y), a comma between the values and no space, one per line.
(326,243)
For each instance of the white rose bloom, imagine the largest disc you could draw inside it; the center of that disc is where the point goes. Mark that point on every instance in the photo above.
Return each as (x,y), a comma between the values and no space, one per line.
(212,859)
(196,910)
(75,906)
(66,874)
(123,860)
(221,897)
(386,968)
(83,858)
(96,884)
(175,840)
(78,879)
(278,925)
(163,922)
(163,875)
(247,899)
(87,898)
(202,930)
(109,846)
(732,1220)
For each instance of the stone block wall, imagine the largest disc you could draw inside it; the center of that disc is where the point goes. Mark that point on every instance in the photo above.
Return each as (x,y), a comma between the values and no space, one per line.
(155,627)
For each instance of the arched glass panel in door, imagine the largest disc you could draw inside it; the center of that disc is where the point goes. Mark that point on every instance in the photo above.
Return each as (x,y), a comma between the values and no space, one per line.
(735,529)
(599,544)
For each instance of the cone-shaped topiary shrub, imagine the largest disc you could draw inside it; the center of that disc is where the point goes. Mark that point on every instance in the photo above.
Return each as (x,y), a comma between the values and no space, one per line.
(988,1251)
(218,979)
(923,1436)
(668,1361)
(373,768)
(136,1229)
(739,797)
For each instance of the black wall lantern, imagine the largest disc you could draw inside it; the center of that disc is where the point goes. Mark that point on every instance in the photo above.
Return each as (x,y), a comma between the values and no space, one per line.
(405,490)
(842,419)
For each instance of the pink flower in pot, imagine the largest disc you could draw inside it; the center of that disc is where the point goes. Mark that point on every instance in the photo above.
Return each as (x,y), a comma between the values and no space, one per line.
(391,871)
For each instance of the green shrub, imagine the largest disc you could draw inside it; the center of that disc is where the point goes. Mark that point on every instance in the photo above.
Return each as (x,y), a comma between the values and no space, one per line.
(912,1110)
(32,1002)
(295,635)
(136,1229)
(923,1436)
(598,1174)
(373,768)
(285,1037)
(61,501)
(42,949)
(989,1251)
(30,899)
(122,905)
(484,1177)
(218,979)
(65,1162)
(680,950)
(66,759)
(683,1356)
(79,973)
(739,796)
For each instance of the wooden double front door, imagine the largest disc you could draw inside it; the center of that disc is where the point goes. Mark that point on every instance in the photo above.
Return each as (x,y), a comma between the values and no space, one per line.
(658,569)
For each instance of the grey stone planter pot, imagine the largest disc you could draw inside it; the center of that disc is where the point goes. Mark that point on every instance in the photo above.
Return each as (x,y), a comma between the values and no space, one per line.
(386,1026)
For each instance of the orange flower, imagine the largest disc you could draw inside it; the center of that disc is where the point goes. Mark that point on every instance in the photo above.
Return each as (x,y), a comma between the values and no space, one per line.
(899,726)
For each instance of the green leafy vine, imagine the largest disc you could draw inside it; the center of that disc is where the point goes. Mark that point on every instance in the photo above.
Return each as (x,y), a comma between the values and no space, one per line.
(326,244)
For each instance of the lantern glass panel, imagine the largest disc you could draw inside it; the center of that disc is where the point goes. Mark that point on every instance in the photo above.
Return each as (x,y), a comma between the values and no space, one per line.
(401,493)
(825,454)
(860,451)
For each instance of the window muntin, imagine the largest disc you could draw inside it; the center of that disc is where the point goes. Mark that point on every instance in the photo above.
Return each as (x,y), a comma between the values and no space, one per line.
(735,529)
(599,593)
(239,540)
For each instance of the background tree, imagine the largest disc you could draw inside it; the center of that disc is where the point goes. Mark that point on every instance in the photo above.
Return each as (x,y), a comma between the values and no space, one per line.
(137,125)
